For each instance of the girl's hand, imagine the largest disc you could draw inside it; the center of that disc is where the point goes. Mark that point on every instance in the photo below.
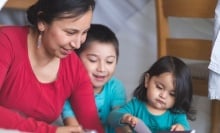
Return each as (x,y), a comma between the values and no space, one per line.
(129,119)
(70,129)
(177,127)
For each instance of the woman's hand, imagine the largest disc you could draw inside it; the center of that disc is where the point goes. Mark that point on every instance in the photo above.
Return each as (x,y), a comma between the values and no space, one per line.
(70,129)
(129,119)
(177,127)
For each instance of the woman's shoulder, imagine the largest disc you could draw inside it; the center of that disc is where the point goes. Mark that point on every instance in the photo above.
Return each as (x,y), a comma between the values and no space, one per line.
(13,29)
(14,37)
(14,32)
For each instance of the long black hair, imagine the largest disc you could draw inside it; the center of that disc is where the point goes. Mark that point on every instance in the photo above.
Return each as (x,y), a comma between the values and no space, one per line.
(48,10)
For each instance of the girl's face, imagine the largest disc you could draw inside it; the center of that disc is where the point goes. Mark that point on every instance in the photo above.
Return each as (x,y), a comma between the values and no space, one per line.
(100,61)
(160,92)
(62,36)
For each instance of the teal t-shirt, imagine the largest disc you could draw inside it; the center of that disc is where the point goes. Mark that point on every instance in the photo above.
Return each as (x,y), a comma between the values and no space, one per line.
(154,122)
(113,95)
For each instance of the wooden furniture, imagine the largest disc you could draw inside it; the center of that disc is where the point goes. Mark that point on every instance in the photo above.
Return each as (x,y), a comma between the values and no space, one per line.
(198,50)
(19,4)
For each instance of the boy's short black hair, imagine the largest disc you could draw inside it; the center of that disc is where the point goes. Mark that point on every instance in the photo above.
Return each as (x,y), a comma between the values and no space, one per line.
(100,33)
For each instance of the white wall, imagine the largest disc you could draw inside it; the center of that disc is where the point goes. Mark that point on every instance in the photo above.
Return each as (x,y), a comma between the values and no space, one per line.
(134,24)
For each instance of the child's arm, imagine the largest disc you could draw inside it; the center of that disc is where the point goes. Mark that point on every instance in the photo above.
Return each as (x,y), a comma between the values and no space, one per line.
(129,119)
(137,124)
(181,123)
(68,115)
(177,127)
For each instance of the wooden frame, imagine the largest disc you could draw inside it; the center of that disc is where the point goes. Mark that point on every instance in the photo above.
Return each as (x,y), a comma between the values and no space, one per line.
(19,4)
(197,49)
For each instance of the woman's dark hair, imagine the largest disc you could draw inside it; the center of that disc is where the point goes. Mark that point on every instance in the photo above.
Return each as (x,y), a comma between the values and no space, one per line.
(182,82)
(48,10)
(100,33)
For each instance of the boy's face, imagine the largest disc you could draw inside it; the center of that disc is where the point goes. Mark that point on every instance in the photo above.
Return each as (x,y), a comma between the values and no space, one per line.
(100,61)
(160,92)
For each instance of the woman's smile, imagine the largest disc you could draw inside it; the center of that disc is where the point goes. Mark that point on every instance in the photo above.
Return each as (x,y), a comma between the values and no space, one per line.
(65,51)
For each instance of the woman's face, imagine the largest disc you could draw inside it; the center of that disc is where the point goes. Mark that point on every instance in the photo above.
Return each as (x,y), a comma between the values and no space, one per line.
(160,92)
(62,36)
(100,61)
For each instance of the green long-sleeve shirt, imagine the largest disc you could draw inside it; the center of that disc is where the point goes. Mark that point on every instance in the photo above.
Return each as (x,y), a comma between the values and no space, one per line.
(154,122)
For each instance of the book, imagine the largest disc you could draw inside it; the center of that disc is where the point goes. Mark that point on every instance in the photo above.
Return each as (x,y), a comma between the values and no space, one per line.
(140,127)
(191,131)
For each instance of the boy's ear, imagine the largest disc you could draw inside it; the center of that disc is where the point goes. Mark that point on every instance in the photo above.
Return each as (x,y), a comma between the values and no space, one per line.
(146,79)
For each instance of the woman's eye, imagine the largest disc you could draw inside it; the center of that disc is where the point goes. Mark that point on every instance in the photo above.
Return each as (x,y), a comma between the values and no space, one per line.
(70,33)
(85,32)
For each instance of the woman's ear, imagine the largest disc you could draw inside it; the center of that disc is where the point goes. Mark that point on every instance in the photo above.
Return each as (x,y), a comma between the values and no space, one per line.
(146,79)
(41,26)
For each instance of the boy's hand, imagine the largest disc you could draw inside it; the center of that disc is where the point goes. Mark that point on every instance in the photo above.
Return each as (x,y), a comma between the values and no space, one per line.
(177,127)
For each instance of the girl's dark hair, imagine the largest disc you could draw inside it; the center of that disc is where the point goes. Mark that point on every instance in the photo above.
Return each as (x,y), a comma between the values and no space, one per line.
(182,83)
(100,33)
(48,10)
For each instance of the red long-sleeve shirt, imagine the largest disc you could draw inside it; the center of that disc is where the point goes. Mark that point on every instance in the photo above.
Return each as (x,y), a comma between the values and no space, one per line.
(29,105)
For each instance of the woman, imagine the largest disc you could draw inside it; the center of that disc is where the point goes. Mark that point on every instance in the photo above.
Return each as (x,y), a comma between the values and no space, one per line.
(39,70)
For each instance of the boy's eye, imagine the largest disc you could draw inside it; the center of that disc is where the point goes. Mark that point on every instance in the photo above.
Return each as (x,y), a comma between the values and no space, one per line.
(92,58)
(110,60)
(159,87)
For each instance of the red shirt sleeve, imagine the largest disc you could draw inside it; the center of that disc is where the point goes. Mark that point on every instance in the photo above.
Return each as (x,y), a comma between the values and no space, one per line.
(12,120)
